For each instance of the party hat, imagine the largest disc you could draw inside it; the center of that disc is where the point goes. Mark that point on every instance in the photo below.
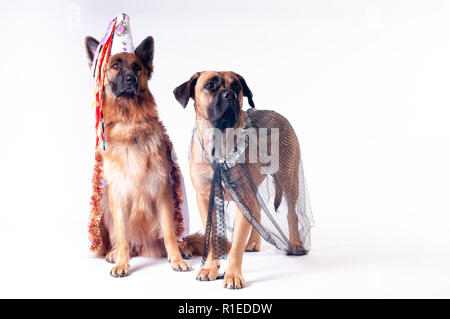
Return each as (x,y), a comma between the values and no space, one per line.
(123,40)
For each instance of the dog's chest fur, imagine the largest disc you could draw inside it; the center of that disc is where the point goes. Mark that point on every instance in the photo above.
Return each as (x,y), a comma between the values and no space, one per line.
(135,160)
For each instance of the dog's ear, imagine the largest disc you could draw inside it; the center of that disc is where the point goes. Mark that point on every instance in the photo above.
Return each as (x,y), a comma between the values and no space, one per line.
(145,52)
(91,45)
(246,91)
(186,90)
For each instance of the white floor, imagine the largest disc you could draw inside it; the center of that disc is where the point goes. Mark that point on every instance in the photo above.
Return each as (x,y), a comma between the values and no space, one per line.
(345,267)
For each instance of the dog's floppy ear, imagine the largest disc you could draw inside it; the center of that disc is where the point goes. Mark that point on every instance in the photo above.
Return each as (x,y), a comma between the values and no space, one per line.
(91,45)
(145,52)
(246,91)
(186,90)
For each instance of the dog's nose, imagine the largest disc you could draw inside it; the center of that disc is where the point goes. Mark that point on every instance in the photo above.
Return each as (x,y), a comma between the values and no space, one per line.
(131,79)
(228,95)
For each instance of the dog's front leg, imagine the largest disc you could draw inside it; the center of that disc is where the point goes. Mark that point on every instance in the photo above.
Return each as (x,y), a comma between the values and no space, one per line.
(210,269)
(233,276)
(121,251)
(165,208)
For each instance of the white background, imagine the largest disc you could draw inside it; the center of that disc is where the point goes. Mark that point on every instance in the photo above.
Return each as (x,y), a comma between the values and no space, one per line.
(364,83)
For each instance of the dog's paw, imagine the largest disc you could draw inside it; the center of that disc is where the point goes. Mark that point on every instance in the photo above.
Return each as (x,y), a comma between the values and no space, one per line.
(253,245)
(119,271)
(111,256)
(233,280)
(297,250)
(178,264)
(207,274)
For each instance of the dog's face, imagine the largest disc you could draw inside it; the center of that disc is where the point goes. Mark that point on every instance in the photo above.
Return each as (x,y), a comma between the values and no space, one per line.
(127,74)
(218,97)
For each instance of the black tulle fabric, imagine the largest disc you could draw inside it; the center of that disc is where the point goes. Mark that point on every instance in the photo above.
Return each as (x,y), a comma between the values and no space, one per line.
(278,208)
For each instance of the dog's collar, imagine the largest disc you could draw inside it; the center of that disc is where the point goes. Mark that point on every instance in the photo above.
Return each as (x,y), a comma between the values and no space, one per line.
(238,150)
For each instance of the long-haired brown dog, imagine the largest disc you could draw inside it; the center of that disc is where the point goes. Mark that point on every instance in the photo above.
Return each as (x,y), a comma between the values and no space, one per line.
(218,98)
(142,198)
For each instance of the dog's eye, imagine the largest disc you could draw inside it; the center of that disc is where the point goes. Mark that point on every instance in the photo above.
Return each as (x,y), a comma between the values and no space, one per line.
(210,85)
(136,67)
(235,87)
(116,65)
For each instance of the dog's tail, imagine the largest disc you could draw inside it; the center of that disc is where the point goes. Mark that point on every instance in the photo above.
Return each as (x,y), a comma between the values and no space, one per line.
(193,245)
(278,197)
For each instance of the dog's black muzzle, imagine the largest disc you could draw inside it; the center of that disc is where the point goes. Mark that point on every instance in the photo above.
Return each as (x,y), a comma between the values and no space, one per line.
(126,86)
(225,110)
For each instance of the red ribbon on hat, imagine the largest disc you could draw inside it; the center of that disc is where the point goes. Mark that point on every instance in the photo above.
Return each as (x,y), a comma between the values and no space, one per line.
(99,71)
